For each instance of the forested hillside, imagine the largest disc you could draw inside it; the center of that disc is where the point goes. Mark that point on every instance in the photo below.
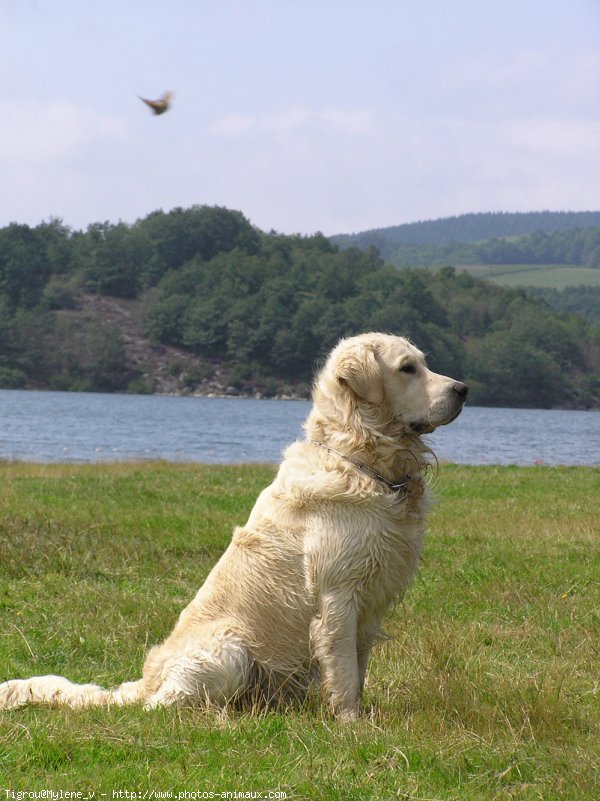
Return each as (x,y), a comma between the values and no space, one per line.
(265,308)
(582,300)
(468,228)
(580,246)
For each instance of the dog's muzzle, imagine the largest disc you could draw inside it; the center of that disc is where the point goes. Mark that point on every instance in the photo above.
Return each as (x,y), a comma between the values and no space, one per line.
(458,396)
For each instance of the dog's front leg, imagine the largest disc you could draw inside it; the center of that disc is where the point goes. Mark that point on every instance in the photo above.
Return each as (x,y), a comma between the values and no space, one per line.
(333,642)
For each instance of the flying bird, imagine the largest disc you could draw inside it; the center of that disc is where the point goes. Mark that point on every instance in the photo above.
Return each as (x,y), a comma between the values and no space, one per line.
(161,105)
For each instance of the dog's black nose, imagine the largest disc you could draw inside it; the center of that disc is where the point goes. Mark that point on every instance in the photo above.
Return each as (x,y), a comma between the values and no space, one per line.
(462,390)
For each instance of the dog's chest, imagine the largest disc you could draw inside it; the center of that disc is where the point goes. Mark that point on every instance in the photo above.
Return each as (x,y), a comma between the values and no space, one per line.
(367,550)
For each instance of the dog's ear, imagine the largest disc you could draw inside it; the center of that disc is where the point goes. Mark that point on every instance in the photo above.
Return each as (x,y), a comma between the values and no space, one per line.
(359,369)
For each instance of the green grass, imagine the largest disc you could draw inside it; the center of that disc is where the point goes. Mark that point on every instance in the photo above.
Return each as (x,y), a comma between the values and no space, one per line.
(488,689)
(555,276)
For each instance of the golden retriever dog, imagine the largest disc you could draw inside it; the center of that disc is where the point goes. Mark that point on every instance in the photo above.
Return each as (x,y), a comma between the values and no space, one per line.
(301,592)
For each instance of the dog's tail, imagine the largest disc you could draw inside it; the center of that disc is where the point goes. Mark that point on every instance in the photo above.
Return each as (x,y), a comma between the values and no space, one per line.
(58,691)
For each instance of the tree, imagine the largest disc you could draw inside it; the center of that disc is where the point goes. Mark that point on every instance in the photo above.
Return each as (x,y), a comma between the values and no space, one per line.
(504,370)
(24,265)
(112,259)
(201,232)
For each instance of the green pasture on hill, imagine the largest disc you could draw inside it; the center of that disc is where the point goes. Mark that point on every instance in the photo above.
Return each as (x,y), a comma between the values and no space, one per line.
(487,688)
(553,276)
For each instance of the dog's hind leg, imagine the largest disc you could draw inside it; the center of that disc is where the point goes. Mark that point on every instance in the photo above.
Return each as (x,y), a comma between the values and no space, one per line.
(212,676)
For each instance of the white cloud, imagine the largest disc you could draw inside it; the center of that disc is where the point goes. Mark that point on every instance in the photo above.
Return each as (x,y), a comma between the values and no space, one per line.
(563,138)
(340,170)
(233,125)
(38,133)
(352,122)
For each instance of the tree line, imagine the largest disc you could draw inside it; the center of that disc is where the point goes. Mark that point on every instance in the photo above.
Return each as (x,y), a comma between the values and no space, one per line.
(269,307)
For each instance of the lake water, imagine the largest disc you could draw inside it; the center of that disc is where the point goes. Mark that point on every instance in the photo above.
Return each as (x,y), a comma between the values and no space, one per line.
(90,427)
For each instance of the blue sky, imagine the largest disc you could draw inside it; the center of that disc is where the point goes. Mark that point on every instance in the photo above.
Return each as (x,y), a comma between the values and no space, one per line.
(306,115)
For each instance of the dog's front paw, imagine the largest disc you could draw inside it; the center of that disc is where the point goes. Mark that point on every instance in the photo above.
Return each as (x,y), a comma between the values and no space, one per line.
(346,714)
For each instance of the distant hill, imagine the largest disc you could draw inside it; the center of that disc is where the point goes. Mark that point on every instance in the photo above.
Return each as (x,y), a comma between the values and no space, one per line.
(468,228)
(544,252)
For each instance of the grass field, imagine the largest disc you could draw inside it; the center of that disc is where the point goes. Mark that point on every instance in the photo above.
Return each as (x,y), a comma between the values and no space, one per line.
(488,688)
(555,276)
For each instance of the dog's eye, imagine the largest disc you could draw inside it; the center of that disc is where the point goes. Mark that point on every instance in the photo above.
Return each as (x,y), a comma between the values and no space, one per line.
(408,368)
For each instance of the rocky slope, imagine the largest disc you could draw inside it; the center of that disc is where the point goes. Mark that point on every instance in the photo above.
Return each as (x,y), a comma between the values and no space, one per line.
(164,369)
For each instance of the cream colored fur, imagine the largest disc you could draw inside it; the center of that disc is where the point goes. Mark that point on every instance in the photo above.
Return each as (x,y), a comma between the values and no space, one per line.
(301,592)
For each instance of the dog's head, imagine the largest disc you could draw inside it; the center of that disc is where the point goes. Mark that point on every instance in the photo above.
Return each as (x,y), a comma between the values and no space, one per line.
(389,373)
